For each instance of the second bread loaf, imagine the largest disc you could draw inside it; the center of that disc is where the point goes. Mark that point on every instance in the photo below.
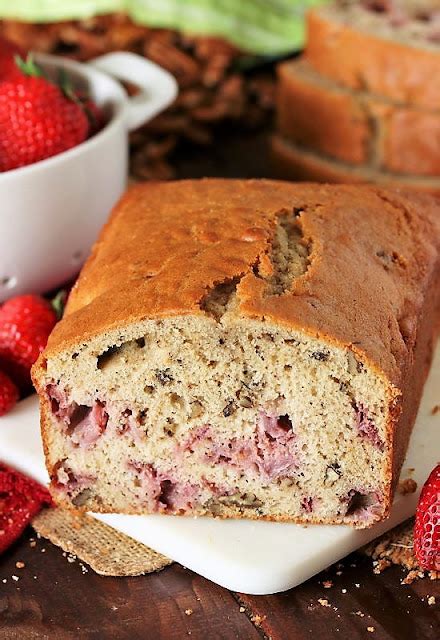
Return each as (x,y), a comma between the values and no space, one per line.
(355,126)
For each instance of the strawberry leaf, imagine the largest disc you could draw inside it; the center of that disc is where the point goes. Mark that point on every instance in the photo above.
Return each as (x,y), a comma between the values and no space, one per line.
(59,302)
(29,67)
(66,86)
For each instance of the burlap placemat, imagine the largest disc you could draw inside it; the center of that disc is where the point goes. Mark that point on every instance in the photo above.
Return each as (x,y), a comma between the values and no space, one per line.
(397,548)
(107,551)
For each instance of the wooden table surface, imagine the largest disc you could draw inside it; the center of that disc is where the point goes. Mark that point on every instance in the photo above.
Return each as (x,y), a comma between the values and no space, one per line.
(55,599)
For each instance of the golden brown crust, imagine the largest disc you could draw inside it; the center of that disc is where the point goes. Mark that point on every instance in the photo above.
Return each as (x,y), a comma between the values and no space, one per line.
(198,233)
(410,140)
(313,115)
(427,319)
(296,163)
(292,162)
(362,60)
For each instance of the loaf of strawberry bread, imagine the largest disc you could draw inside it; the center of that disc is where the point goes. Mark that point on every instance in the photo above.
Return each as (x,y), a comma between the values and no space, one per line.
(244,349)
(388,47)
(355,126)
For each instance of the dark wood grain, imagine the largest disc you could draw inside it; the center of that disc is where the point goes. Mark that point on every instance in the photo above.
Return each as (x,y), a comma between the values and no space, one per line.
(54,599)
(381,602)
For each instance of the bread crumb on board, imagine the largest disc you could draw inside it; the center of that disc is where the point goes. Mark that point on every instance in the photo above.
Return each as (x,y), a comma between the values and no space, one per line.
(431,600)
(189,612)
(407,486)
(324,602)
(417,574)
(381,565)
(371,629)
(435,409)
(413,575)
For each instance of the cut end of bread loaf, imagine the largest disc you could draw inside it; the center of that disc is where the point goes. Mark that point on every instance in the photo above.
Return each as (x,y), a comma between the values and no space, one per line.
(221,417)
(235,349)
(412,22)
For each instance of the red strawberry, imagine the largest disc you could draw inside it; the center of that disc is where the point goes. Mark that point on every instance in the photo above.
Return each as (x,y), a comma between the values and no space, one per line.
(427,526)
(25,324)
(8,67)
(37,120)
(8,394)
(20,500)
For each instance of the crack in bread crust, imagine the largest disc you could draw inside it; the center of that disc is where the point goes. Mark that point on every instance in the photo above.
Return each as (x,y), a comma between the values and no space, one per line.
(220,298)
(286,258)
(289,255)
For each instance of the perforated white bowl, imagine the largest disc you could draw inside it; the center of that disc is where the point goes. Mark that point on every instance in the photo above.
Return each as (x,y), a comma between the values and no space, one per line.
(51,211)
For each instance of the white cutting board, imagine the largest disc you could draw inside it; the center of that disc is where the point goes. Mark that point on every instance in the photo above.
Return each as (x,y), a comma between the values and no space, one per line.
(251,557)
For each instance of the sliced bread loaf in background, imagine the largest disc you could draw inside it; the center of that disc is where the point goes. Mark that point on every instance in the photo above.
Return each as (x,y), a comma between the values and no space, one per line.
(355,126)
(363,102)
(388,48)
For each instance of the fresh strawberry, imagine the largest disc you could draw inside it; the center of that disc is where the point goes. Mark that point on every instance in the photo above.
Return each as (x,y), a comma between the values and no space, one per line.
(8,394)
(20,500)
(427,526)
(25,324)
(8,67)
(38,119)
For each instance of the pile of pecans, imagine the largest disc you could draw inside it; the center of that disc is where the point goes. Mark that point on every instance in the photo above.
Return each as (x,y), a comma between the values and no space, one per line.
(214,88)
